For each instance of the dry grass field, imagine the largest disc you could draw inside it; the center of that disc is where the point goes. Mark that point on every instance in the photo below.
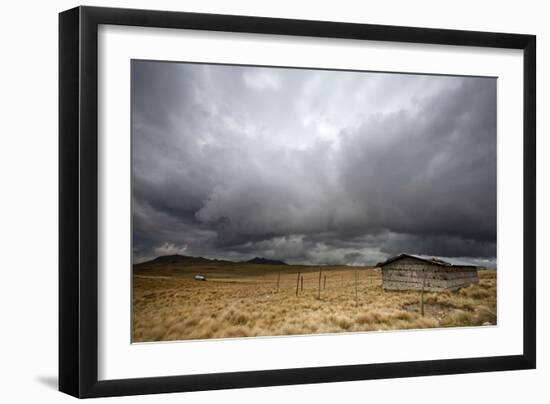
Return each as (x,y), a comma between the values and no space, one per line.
(241,300)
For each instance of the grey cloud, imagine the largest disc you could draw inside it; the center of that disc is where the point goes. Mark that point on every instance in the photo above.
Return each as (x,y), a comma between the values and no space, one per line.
(311,166)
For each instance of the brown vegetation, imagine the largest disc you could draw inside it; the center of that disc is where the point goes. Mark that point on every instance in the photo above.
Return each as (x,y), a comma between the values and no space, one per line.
(241,300)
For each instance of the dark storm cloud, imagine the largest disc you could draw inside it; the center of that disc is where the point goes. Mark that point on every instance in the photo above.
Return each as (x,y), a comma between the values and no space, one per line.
(311,166)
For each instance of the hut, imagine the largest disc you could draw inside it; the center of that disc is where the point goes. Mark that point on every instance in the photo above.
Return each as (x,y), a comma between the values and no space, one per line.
(414,272)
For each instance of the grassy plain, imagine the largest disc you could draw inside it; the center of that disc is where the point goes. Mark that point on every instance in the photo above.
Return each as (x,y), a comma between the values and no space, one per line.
(242,300)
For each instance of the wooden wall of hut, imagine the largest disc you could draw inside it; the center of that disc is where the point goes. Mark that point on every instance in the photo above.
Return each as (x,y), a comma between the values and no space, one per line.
(407,274)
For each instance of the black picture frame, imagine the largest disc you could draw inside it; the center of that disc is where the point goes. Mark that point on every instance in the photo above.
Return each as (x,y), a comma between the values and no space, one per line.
(78,201)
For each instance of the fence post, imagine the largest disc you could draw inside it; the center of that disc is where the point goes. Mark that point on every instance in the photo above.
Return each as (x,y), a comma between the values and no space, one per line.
(356,288)
(278,280)
(422,293)
(302,283)
(319,294)
(297,283)
(324,282)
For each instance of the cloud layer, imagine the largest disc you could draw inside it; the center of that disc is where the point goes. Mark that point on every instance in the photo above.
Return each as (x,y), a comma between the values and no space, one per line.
(311,166)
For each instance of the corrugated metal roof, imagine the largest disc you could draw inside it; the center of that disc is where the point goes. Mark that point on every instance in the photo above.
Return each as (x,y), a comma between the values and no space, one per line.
(447,262)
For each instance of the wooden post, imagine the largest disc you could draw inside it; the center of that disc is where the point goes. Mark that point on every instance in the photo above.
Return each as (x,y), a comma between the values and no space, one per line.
(319,294)
(356,287)
(324,282)
(302,283)
(297,283)
(422,293)
(342,281)
(278,281)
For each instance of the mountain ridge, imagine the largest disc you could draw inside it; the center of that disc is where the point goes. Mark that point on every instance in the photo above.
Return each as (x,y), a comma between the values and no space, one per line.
(265,261)
(187,259)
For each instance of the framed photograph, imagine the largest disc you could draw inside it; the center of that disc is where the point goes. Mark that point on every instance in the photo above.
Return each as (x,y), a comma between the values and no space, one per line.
(249,201)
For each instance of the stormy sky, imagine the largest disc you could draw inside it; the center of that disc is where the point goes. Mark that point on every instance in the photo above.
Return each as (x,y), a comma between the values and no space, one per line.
(311,166)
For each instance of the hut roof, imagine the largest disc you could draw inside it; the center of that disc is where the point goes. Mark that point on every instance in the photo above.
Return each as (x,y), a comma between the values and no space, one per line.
(429,259)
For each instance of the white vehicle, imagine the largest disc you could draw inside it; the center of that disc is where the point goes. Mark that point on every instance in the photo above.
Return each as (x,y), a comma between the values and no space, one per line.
(200,277)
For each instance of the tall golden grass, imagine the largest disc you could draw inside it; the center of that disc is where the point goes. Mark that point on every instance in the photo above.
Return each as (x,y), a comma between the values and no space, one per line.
(169,305)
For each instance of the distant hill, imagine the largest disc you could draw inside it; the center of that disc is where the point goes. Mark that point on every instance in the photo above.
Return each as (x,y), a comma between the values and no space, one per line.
(177,259)
(186,260)
(265,261)
(180,259)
